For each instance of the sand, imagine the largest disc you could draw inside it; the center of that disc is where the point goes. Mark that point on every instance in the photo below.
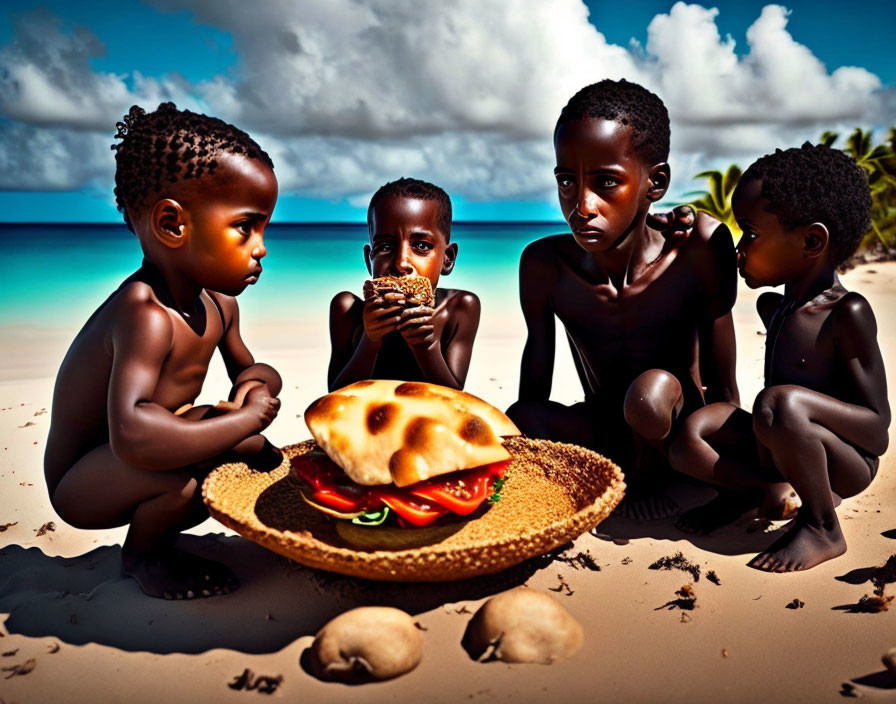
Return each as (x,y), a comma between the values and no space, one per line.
(72,629)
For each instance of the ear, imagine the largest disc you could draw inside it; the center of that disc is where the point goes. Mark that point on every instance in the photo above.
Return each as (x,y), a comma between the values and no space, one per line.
(449,259)
(659,182)
(367,259)
(815,240)
(168,223)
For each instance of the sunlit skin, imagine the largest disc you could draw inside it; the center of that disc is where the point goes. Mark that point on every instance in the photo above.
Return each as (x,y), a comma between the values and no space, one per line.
(634,303)
(126,446)
(821,421)
(382,338)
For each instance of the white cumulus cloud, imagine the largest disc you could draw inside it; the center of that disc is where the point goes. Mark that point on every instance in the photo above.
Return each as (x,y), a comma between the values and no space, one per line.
(347,94)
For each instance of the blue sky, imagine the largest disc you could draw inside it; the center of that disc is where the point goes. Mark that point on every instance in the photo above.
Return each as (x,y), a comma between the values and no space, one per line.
(347,95)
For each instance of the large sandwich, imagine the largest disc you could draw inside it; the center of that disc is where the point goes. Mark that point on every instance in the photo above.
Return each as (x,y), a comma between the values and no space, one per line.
(412,450)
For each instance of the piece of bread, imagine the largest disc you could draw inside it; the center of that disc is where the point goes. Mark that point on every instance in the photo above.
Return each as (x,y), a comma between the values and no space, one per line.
(383,431)
(417,289)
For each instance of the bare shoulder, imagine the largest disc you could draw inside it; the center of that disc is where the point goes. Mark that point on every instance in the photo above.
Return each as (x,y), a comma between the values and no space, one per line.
(853,317)
(460,301)
(767,304)
(346,313)
(343,302)
(544,257)
(705,226)
(549,247)
(710,237)
(136,311)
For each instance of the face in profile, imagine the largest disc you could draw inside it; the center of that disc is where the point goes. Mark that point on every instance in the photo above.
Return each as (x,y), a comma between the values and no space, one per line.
(601,181)
(767,254)
(405,238)
(226,214)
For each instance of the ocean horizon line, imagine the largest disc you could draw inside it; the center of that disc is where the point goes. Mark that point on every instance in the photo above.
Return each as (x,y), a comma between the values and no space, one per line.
(309,223)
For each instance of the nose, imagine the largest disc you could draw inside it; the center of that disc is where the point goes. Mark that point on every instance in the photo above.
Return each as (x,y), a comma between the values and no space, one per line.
(403,260)
(586,203)
(259,251)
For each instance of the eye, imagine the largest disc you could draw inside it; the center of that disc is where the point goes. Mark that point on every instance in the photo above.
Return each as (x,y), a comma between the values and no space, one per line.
(382,247)
(423,246)
(245,227)
(564,181)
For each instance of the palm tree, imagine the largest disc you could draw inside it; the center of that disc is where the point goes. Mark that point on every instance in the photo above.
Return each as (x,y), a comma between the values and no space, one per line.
(716,201)
(879,163)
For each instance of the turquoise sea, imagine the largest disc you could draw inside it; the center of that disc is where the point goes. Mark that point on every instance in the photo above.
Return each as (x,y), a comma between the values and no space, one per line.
(54,276)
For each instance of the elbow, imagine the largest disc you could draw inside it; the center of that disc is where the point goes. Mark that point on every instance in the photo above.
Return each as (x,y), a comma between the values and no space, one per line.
(132,445)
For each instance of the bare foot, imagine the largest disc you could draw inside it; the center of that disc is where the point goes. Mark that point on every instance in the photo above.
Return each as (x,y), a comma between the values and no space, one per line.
(174,574)
(801,547)
(725,508)
(647,506)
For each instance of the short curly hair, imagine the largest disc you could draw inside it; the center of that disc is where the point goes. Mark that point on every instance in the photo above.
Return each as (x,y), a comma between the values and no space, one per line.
(169,145)
(415,188)
(628,104)
(816,183)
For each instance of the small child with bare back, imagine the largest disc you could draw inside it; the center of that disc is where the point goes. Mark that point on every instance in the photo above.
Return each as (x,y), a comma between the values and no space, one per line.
(390,335)
(820,424)
(126,446)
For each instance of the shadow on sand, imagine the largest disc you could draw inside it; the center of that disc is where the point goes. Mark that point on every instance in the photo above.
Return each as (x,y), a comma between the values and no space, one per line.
(85,599)
(746,535)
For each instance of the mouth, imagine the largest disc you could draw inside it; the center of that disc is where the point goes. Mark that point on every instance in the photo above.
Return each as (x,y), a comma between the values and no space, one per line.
(253,276)
(587,233)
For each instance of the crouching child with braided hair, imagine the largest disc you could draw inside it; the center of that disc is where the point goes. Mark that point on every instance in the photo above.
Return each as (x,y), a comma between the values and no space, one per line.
(126,445)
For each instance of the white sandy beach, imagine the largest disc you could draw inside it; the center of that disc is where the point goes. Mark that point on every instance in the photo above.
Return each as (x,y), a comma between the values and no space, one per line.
(79,632)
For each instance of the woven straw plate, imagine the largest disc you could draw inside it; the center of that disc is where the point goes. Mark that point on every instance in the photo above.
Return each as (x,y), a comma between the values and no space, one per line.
(554,493)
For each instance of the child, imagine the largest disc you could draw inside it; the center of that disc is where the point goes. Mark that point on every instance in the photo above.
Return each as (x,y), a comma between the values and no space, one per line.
(640,310)
(821,421)
(409,223)
(125,446)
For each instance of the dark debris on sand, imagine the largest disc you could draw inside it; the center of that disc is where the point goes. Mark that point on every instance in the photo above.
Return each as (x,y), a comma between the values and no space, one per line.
(47,527)
(686,601)
(884,575)
(878,601)
(5,526)
(250,681)
(795,604)
(563,586)
(873,604)
(22,669)
(713,577)
(581,560)
(677,562)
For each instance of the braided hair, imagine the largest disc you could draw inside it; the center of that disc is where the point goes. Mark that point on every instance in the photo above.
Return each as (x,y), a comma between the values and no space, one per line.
(816,183)
(421,190)
(628,104)
(169,145)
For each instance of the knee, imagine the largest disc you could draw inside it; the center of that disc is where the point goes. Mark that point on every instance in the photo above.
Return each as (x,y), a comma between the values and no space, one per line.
(650,403)
(777,409)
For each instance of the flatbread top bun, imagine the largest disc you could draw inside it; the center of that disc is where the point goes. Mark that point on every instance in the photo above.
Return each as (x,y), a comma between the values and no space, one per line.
(417,289)
(383,431)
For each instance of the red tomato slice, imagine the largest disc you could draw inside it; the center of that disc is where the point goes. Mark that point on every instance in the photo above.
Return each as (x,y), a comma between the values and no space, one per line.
(411,508)
(461,492)
(334,498)
(316,469)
